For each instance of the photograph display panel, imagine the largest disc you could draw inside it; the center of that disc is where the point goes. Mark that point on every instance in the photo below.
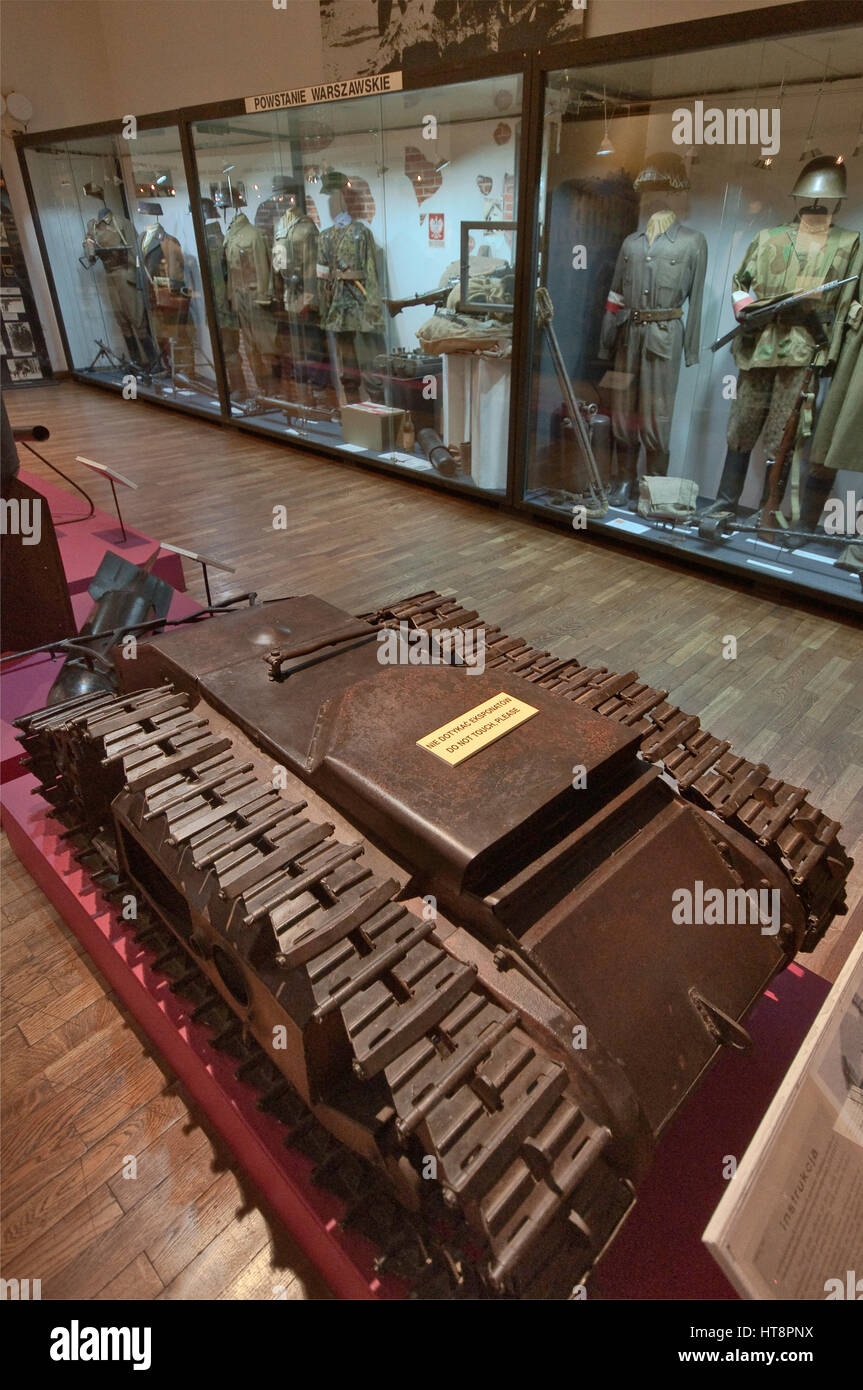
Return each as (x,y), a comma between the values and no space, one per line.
(692,211)
(336,236)
(117,224)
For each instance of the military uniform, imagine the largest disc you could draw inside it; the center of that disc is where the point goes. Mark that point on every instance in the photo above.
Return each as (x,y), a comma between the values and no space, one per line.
(228,323)
(111,240)
(162,262)
(295,260)
(354,317)
(295,257)
(838,439)
(773,362)
(344,307)
(658,271)
(250,293)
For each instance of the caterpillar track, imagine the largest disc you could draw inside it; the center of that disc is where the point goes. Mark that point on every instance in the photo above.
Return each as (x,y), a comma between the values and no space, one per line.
(452,1076)
(467,978)
(775,815)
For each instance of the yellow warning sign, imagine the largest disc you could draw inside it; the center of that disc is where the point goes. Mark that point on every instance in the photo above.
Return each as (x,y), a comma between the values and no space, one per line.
(478,727)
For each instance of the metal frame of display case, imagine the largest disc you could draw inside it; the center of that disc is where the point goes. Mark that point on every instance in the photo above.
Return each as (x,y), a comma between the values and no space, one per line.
(744,27)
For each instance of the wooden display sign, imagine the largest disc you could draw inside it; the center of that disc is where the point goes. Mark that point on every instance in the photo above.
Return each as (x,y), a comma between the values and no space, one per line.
(326,91)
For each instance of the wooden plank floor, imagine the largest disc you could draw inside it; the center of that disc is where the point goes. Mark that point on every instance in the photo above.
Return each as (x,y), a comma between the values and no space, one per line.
(793,697)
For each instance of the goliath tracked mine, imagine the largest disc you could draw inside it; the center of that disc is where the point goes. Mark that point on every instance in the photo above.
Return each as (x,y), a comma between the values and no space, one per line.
(467,975)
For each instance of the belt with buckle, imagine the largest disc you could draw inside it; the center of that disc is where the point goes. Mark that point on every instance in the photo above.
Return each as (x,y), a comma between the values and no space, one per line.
(654,315)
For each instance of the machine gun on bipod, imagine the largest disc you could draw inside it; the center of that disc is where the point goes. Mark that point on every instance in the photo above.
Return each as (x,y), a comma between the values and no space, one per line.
(436,297)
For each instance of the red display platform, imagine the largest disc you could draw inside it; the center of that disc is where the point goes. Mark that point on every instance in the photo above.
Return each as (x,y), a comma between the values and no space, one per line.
(83,543)
(312,1215)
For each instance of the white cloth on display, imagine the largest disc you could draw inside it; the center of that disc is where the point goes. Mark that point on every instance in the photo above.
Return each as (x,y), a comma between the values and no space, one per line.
(476,408)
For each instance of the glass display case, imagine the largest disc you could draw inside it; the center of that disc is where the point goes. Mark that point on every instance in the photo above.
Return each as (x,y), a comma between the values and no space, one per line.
(117,229)
(697,375)
(362,255)
(662,344)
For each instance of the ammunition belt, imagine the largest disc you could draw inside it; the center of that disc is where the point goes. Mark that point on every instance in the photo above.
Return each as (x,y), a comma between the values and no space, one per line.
(774,814)
(463,1083)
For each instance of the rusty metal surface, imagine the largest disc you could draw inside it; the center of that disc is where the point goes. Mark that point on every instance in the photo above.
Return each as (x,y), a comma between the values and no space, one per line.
(445,1031)
(384,1024)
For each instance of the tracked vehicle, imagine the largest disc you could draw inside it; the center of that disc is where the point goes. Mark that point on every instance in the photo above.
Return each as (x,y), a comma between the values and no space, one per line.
(465,972)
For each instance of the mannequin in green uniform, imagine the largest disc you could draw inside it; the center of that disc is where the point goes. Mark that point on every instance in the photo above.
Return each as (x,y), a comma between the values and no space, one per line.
(805,253)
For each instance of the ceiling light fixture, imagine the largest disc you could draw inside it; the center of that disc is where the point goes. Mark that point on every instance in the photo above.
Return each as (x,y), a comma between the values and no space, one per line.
(606,146)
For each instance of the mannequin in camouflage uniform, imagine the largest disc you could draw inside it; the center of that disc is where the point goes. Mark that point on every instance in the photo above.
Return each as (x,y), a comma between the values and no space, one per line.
(350,296)
(111,240)
(807,252)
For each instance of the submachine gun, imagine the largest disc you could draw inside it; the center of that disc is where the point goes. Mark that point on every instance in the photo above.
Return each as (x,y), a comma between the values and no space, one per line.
(757,316)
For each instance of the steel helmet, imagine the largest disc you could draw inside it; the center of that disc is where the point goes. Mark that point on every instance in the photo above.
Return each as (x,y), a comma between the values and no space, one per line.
(824,177)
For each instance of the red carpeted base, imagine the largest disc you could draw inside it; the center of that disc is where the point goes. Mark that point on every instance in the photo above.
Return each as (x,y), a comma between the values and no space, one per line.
(83,543)
(282,1175)
(659,1253)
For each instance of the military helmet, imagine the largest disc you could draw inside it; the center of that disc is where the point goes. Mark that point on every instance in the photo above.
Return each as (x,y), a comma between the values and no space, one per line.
(664,171)
(824,177)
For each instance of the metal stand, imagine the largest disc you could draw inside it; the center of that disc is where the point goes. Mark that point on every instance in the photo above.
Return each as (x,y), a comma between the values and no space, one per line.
(117,505)
(202,560)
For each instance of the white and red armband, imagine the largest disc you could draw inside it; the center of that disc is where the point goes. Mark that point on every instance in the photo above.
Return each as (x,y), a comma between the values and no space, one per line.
(614,302)
(741,299)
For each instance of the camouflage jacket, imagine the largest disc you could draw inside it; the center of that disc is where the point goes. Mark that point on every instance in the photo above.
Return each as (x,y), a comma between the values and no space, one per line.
(773,266)
(346,305)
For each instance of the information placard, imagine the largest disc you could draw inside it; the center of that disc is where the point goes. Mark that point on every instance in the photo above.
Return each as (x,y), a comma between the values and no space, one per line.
(790,1225)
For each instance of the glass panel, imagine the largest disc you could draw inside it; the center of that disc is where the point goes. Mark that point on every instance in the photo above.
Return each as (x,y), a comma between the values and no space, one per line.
(362,261)
(120,241)
(670,211)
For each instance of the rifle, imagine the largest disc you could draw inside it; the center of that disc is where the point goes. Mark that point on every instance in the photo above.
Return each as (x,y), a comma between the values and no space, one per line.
(776,479)
(596,488)
(395,306)
(762,312)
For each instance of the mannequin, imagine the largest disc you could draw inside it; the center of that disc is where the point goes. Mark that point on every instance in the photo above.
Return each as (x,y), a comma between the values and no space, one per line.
(227,320)
(295,259)
(838,439)
(111,240)
(804,253)
(250,296)
(660,267)
(161,260)
(350,297)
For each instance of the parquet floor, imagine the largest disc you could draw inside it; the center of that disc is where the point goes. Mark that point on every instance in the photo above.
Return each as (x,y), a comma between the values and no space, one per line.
(80,1090)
